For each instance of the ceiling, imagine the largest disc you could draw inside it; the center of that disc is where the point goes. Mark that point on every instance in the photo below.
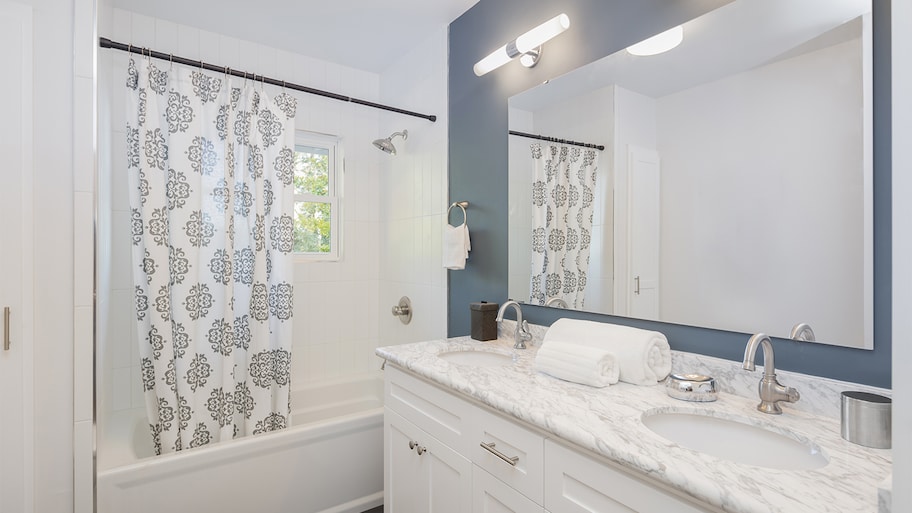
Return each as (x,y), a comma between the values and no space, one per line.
(734,38)
(364,34)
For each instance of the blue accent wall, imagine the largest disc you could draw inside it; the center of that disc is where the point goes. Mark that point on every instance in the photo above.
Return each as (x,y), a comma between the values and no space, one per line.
(478,165)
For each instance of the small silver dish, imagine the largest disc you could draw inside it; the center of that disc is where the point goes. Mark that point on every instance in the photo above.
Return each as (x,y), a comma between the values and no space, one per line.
(691,387)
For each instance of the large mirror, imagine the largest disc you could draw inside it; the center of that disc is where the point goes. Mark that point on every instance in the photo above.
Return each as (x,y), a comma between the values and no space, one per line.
(734,190)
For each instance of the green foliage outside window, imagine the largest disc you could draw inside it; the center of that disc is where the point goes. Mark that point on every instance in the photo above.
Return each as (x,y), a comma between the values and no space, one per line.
(312,218)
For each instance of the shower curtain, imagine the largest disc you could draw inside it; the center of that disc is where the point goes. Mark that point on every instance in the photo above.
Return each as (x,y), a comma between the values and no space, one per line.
(562,196)
(210,167)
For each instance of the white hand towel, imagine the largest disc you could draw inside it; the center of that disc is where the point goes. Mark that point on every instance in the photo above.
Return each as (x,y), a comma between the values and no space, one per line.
(578,363)
(643,357)
(456,246)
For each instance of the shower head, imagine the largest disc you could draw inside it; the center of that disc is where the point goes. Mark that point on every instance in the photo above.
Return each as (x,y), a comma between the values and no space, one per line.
(387,144)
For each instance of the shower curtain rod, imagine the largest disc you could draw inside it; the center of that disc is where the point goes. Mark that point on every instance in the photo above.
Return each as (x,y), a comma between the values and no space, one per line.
(107,43)
(555,139)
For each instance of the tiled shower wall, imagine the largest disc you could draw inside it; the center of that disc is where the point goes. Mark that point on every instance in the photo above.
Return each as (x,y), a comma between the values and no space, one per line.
(336,303)
(414,194)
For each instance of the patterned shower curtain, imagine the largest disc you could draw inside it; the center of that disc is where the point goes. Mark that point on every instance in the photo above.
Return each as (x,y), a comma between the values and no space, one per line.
(562,195)
(210,168)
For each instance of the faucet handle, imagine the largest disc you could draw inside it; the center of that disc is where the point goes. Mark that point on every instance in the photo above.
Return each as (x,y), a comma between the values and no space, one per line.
(793,395)
(524,331)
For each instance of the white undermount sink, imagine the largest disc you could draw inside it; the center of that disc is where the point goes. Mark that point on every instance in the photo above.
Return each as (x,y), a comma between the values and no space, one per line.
(477,358)
(736,440)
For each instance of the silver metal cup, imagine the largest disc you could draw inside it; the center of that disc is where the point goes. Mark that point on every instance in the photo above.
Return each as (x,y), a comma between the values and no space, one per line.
(866,419)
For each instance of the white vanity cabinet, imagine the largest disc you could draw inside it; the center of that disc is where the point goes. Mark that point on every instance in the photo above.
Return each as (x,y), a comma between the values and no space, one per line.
(435,462)
(421,473)
(491,495)
(578,483)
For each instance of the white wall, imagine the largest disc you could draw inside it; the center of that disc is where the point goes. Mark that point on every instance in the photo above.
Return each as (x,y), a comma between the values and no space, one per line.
(634,125)
(723,187)
(413,194)
(519,199)
(336,328)
(902,247)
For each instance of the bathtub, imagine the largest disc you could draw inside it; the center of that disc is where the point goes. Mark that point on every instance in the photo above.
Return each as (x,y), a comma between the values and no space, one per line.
(330,460)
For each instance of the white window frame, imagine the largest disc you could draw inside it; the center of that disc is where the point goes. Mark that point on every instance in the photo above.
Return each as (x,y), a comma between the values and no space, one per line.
(333,197)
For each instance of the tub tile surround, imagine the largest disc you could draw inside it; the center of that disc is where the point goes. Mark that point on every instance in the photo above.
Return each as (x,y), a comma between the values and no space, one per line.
(608,423)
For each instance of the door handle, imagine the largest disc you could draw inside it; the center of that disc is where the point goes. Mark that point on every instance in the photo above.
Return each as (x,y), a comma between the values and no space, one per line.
(636,285)
(6,328)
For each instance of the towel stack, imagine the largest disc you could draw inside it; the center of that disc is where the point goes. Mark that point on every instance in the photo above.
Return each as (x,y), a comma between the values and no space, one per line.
(456,246)
(599,354)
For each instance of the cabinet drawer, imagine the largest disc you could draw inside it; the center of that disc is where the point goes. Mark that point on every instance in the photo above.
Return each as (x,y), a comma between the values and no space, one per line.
(491,495)
(526,472)
(428,407)
(575,483)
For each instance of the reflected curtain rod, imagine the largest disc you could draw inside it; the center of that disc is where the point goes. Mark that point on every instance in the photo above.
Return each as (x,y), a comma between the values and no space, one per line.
(555,139)
(107,43)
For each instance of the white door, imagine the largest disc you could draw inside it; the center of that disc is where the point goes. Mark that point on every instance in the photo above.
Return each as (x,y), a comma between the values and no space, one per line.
(15,258)
(643,234)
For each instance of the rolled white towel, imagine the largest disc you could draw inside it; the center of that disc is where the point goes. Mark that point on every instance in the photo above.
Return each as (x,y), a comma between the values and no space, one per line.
(643,357)
(577,363)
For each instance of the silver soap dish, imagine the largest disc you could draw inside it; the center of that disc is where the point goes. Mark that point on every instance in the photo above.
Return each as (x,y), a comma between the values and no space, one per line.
(691,387)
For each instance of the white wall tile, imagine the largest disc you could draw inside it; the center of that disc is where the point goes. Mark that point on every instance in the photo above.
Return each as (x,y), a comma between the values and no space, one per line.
(84,137)
(121,26)
(83,248)
(83,350)
(166,40)
(143,31)
(188,42)
(83,467)
(84,38)
(121,251)
(210,47)
(121,395)
(137,397)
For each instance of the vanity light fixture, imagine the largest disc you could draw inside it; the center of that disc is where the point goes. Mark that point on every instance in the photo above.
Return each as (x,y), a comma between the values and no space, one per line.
(659,43)
(527,46)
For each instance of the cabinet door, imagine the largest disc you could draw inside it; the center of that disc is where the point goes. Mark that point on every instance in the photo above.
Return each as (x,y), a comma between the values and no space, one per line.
(405,480)
(422,475)
(491,495)
(15,257)
(575,483)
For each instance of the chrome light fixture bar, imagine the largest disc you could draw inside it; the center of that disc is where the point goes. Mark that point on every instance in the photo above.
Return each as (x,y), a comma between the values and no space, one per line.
(528,46)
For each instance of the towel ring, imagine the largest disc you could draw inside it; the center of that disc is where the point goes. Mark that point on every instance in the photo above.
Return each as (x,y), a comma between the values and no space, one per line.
(462,205)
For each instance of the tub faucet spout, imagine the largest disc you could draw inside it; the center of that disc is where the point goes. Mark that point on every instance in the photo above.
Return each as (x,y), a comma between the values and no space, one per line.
(522,327)
(771,391)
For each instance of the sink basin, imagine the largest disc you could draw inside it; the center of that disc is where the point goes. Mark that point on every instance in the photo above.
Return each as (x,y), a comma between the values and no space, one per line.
(477,358)
(736,440)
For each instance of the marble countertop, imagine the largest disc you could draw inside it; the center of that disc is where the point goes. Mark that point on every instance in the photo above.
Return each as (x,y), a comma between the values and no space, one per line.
(608,422)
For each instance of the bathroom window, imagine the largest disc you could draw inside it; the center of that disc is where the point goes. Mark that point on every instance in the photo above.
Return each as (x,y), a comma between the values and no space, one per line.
(317,187)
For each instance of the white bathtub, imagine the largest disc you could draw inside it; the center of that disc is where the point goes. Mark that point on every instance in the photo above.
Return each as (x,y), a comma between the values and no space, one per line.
(329,461)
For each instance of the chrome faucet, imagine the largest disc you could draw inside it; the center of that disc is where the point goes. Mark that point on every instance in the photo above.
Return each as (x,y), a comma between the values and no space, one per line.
(522,327)
(771,391)
(802,332)
(557,302)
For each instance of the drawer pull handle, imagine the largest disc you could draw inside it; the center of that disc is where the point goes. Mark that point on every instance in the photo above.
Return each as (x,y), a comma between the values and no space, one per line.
(512,460)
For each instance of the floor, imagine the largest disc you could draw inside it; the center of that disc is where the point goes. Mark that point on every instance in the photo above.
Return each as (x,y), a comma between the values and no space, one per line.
(378,509)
